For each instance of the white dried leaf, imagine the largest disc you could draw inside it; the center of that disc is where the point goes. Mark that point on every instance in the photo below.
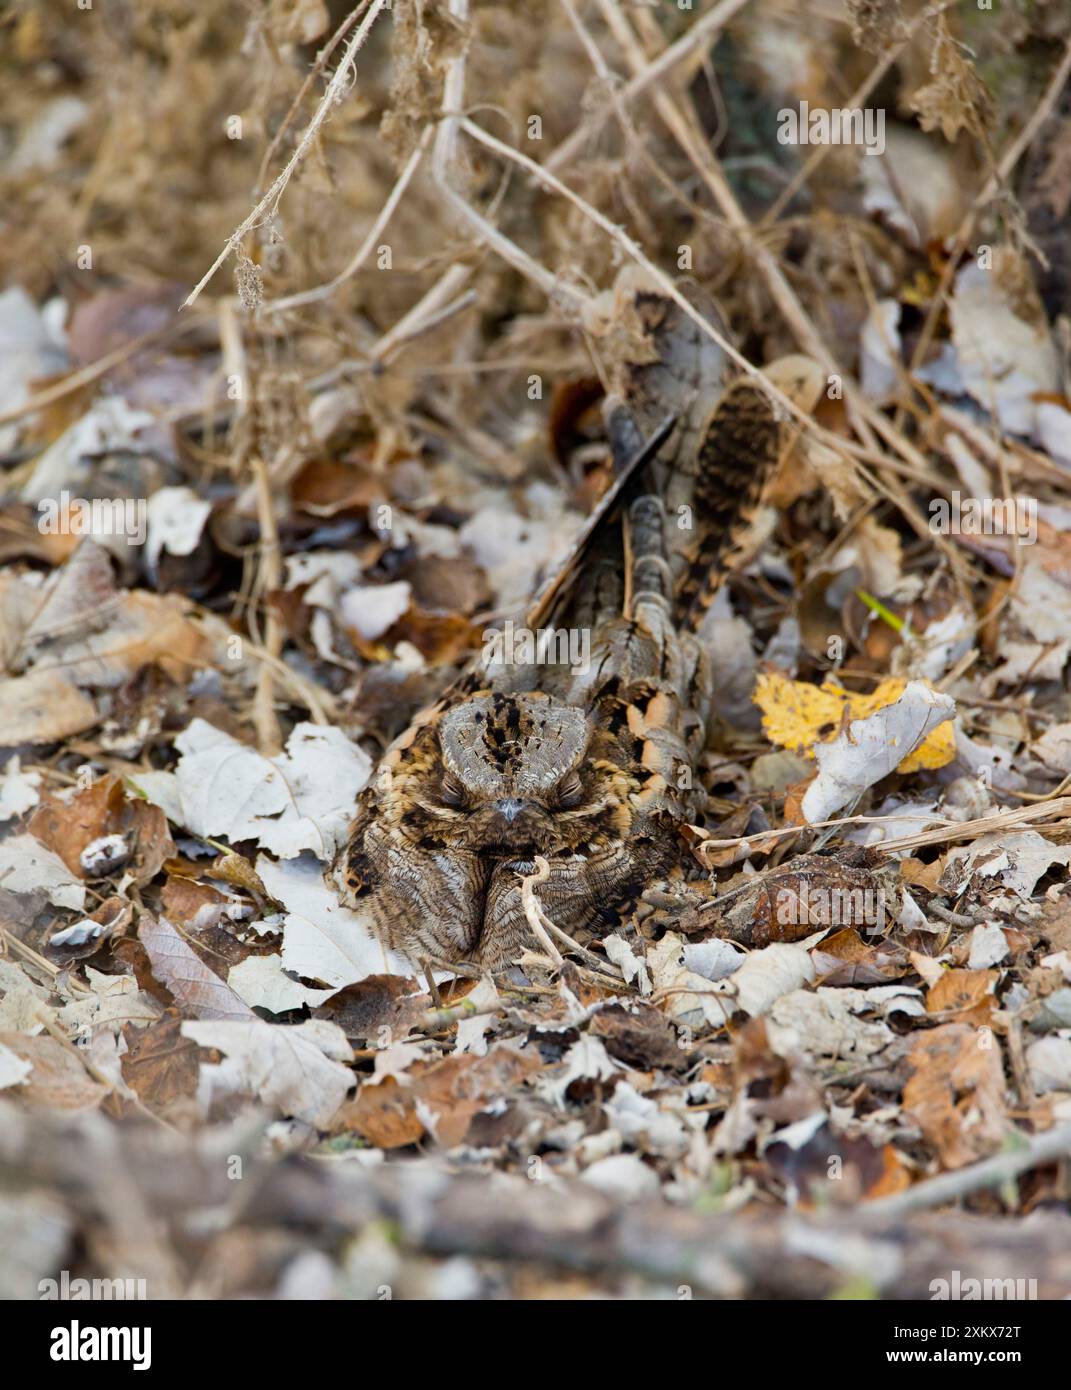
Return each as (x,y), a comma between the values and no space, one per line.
(325,573)
(988,946)
(768,974)
(42,136)
(714,959)
(299,800)
(472,1032)
(1037,661)
(13,1069)
(911,916)
(322,939)
(928,655)
(879,352)
(1017,857)
(285,1067)
(1003,360)
(642,1123)
(1049,1062)
(871,748)
(1039,603)
(915,187)
(114,1000)
(395,1061)
(23,1002)
(515,551)
(828,1022)
(31,347)
(761,978)
(26,866)
(728,641)
(1053,748)
(373,608)
(627,961)
(79,933)
(624,1176)
(260,982)
(586,1060)
(110,425)
(691,995)
(176,518)
(102,855)
(1054,430)
(18,790)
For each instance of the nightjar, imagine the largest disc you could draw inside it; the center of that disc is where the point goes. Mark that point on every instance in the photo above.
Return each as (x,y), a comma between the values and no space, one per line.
(589,766)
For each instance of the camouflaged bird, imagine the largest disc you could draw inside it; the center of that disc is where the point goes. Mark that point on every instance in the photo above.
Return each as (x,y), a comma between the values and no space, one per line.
(592,767)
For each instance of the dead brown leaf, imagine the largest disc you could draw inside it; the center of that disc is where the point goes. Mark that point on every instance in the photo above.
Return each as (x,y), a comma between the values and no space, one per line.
(385,1115)
(68,827)
(378,1002)
(197,990)
(967,993)
(956,1095)
(58,1081)
(456,1089)
(160,1064)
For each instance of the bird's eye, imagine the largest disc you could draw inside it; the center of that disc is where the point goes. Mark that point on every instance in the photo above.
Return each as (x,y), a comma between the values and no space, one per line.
(451,791)
(570,791)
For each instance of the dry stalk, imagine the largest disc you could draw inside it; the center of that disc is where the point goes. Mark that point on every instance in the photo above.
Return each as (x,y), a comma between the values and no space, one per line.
(269,577)
(386,212)
(651,74)
(333,94)
(806,170)
(537,918)
(1039,1149)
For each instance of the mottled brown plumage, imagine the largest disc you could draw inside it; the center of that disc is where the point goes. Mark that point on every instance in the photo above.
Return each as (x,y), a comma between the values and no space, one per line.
(590,769)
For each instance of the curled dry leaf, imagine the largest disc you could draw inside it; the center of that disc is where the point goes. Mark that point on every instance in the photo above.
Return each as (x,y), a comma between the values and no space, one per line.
(956,1093)
(871,748)
(292,1069)
(57,1078)
(802,717)
(83,938)
(27,867)
(762,978)
(71,825)
(300,800)
(196,989)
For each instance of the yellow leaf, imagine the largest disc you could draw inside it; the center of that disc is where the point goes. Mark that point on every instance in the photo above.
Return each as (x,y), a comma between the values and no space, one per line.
(797,715)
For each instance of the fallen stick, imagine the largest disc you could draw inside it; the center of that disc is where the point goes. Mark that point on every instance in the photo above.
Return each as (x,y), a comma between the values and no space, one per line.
(1038,1150)
(180,1183)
